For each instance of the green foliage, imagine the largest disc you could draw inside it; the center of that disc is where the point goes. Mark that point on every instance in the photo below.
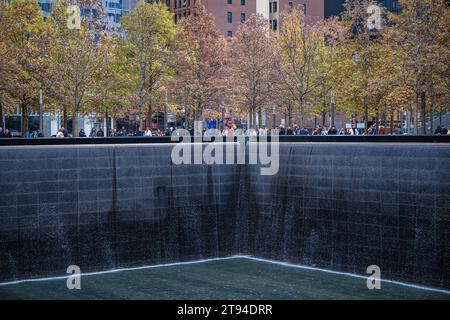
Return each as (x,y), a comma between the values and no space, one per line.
(24,40)
(147,53)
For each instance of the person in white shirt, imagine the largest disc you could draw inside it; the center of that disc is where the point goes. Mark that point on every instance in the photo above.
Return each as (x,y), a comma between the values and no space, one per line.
(354,132)
(60,134)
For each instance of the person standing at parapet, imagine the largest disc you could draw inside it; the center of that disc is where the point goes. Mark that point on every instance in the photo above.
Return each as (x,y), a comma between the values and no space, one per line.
(60,134)
(8,133)
(354,132)
(93,133)
(100,133)
(82,134)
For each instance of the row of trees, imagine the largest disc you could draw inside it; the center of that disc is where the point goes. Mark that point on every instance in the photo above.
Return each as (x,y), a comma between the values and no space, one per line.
(190,67)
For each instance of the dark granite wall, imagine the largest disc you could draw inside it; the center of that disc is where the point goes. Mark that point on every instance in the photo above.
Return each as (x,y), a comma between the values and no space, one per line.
(337,206)
(347,206)
(103,207)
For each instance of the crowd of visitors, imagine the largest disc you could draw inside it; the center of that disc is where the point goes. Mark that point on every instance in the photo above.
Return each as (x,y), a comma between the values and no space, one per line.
(5,134)
(441,130)
(94,133)
(295,131)
(227,131)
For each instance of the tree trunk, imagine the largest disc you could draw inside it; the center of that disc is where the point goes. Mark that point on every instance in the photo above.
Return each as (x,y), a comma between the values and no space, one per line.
(366,116)
(324,115)
(108,124)
(64,119)
(1,116)
(285,123)
(392,122)
(332,111)
(24,119)
(74,125)
(431,112)
(259,117)
(424,113)
(301,114)
(416,112)
(250,125)
(377,127)
(149,117)
(290,116)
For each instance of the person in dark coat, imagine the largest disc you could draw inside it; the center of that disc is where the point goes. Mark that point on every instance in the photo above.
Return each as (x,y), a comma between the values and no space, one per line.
(100,133)
(303,132)
(82,134)
(332,131)
(93,133)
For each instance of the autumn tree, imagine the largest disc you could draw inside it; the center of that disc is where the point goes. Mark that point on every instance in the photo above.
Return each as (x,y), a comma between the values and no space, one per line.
(201,60)
(300,45)
(148,51)
(77,60)
(417,39)
(8,68)
(331,33)
(7,75)
(359,54)
(253,67)
(112,88)
(25,40)
(387,85)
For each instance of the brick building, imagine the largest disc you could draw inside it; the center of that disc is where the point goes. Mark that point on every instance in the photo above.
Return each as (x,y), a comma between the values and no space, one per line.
(229,14)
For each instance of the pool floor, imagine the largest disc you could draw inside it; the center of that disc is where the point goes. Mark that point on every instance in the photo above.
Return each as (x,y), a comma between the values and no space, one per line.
(236,278)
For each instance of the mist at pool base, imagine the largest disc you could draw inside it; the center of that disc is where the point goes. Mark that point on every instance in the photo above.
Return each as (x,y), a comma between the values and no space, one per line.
(340,207)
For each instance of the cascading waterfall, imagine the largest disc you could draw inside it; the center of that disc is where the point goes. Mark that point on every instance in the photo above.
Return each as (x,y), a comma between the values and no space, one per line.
(336,206)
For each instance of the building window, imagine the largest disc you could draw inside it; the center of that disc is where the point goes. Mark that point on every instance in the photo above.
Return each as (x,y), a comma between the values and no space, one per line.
(304,8)
(394,5)
(230,17)
(242,17)
(242,2)
(274,24)
(275,6)
(229,34)
(229,1)
(290,5)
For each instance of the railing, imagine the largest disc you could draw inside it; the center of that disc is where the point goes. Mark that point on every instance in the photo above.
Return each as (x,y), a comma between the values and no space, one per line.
(282,139)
